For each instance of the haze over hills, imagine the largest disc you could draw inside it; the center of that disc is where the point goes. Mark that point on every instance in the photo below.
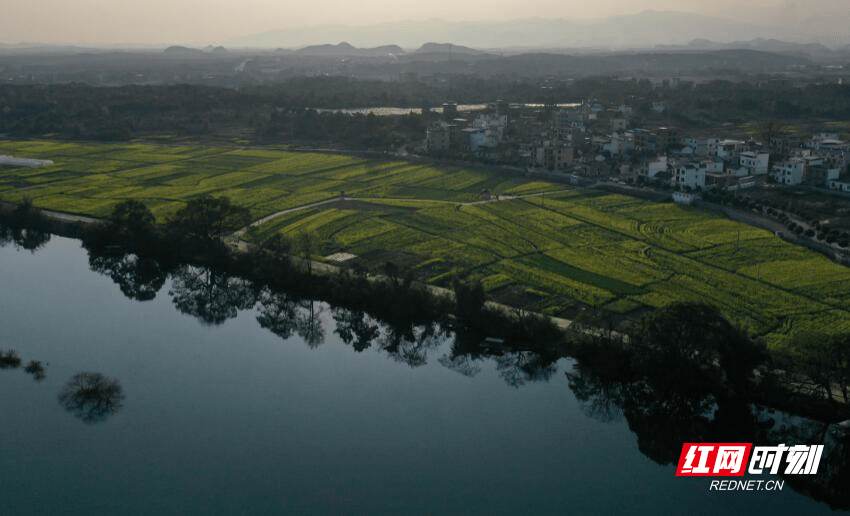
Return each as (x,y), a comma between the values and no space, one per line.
(346,50)
(644,30)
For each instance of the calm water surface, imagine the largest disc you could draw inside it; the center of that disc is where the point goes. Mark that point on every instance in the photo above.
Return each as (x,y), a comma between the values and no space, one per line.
(233,419)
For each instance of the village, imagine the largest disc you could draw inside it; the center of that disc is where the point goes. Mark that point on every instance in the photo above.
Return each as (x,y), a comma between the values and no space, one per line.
(590,140)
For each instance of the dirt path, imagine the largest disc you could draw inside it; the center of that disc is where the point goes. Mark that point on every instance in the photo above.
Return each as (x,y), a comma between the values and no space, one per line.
(68,217)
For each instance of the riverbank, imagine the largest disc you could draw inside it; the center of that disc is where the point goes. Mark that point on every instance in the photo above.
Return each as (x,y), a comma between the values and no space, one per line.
(484,326)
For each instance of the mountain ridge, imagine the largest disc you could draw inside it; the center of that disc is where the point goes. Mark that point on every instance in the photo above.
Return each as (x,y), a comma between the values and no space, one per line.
(643,30)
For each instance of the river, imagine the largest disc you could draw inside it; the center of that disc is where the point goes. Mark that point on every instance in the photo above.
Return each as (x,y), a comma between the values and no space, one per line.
(330,412)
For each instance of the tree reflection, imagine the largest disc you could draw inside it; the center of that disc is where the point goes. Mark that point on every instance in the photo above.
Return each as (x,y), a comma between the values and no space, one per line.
(830,483)
(9,359)
(463,364)
(36,369)
(410,344)
(278,313)
(28,238)
(139,278)
(308,324)
(355,328)
(91,397)
(209,295)
(520,367)
(31,239)
(601,398)
(663,418)
(5,234)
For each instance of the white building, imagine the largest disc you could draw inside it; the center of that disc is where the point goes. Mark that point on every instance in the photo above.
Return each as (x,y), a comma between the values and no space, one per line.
(728,149)
(691,175)
(702,146)
(755,163)
(790,172)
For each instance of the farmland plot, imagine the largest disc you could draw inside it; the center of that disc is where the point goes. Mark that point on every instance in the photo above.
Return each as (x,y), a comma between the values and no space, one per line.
(562,246)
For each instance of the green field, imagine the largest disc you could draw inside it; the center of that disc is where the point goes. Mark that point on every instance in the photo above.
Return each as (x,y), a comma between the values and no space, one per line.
(552,252)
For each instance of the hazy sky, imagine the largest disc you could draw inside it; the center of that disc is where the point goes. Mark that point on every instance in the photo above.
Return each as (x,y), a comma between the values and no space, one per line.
(212,21)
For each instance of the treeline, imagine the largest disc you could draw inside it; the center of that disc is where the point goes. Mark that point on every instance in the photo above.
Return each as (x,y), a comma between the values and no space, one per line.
(685,374)
(194,235)
(279,113)
(271,114)
(690,348)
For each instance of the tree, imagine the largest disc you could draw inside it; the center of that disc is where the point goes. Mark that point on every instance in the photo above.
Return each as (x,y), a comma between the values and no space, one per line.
(307,246)
(279,245)
(132,217)
(207,218)
(824,359)
(693,344)
(469,299)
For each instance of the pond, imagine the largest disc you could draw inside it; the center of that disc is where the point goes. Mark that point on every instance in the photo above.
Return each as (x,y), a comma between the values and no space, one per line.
(236,400)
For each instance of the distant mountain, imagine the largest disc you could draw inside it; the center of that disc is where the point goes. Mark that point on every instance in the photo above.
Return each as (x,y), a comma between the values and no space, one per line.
(639,63)
(180,51)
(347,50)
(814,51)
(446,48)
(644,30)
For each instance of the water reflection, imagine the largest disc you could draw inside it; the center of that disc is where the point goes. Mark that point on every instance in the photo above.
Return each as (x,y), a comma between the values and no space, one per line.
(209,295)
(140,278)
(308,323)
(91,397)
(666,395)
(463,364)
(36,369)
(9,359)
(355,328)
(213,297)
(520,367)
(664,419)
(277,312)
(22,237)
(664,399)
(410,344)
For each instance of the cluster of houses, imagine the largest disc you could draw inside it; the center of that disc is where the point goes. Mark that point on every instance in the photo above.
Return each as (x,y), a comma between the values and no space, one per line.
(588,139)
